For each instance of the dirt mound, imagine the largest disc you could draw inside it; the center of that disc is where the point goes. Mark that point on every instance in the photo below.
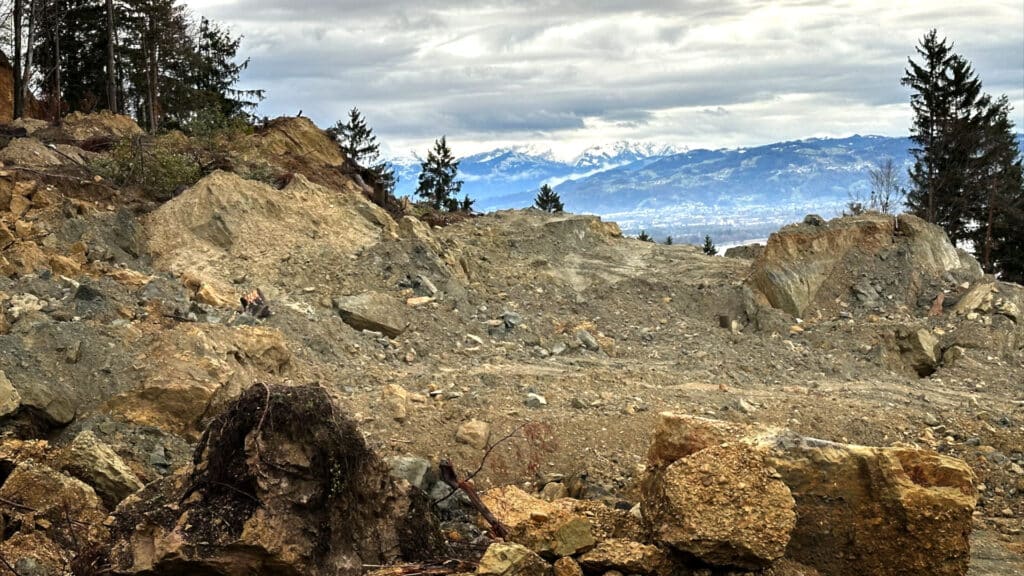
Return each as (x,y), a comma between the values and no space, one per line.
(297,137)
(880,260)
(226,228)
(282,483)
(79,128)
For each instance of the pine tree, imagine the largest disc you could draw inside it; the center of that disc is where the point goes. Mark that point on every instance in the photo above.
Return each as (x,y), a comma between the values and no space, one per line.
(668,241)
(548,200)
(437,180)
(358,142)
(644,237)
(709,246)
(948,117)
(999,206)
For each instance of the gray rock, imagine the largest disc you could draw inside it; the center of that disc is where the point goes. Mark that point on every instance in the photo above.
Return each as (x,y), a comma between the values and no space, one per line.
(96,464)
(930,419)
(417,471)
(558,348)
(588,340)
(814,220)
(511,320)
(10,400)
(373,311)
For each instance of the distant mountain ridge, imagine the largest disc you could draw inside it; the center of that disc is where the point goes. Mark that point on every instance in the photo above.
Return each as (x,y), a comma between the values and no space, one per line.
(731,194)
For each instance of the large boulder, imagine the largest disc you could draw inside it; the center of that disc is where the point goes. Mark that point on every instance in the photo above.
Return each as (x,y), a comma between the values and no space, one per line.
(723,504)
(550,529)
(804,266)
(511,559)
(95,463)
(194,370)
(374,311)
(626,557)
(283,483)
(80,127)
(859,510)
(880,511)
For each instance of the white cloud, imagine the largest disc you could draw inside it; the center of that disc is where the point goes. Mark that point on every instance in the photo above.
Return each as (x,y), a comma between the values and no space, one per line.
(700,73)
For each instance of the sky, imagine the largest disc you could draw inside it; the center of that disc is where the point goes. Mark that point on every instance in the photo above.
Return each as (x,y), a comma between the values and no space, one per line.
(567,75)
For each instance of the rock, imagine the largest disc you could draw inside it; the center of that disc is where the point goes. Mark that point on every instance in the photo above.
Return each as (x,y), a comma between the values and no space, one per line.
(587,340)
(567,567)
(814,220)
(396,401)
(626,556)
(418,301)
(558,348)
(510,559)
(34,554)
(745,252)
(879,511)
(475,433)
(800,264)
(786,567)
(417,471)
(373,311)
(50,401)
(919,350)
(283,484)
(679,435)
(10,400)
(930,419)
(30,153)
(64,266)
(722,505)
(80,127)
(96,464)
(534,400)
(212,296)
(550,529)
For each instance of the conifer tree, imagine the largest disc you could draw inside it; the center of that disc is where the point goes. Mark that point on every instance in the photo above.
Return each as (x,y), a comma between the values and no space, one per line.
(668,241)
(644,237)
(548,200)
(437,181)
(948,116)
(709,246)
(358,142)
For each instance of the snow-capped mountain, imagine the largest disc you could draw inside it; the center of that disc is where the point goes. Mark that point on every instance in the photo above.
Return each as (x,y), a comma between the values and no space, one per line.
(494,176)
(732,194)
(621,153)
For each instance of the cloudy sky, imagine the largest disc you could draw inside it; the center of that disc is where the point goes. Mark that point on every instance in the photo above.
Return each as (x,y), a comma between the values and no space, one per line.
(570,74)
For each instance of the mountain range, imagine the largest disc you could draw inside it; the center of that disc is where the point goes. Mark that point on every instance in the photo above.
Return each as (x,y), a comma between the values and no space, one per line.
(733,195)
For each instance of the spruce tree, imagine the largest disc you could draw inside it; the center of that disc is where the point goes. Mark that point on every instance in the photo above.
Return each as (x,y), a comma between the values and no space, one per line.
(668,241)
(709,246)
(359,143)
(437,180)
(948,111)
(644,237)
(548,200)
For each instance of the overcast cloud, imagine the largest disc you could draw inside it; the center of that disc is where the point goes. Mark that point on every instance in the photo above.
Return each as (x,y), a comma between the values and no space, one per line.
(697,73)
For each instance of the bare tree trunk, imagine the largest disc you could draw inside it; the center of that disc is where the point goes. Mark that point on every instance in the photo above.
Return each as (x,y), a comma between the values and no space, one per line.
(26,74)
(152,73)
(57,89)
(19,92)
(111,72)
(986,256)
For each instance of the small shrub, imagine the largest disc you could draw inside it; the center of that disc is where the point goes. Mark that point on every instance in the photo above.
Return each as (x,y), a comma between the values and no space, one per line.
(151,165)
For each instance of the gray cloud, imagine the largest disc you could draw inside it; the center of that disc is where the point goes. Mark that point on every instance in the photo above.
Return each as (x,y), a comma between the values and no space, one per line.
(695,72)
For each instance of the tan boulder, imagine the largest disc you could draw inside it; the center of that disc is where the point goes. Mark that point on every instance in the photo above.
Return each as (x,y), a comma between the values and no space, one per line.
(64,266)
(722,504)
(475,433)
(95,463)
(679,435)
(80,127)
(10,400)
(550,529)
(920,350)
(879,511)
(627,557)
(566,566)
(511,559)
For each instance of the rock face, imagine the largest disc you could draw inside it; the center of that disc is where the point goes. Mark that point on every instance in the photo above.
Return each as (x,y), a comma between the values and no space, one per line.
(722,505)
(282,484)
(859,510)
(892,511)
(803,264)
(225,227)
(625,556)
(373,311)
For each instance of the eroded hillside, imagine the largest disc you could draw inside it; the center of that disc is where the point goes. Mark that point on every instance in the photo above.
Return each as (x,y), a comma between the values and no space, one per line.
(122,339)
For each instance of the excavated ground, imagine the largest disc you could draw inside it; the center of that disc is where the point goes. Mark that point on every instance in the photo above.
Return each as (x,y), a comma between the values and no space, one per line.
(514,290)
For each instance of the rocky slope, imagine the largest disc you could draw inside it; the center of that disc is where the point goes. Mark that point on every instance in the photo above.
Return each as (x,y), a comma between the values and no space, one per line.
(542,347)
